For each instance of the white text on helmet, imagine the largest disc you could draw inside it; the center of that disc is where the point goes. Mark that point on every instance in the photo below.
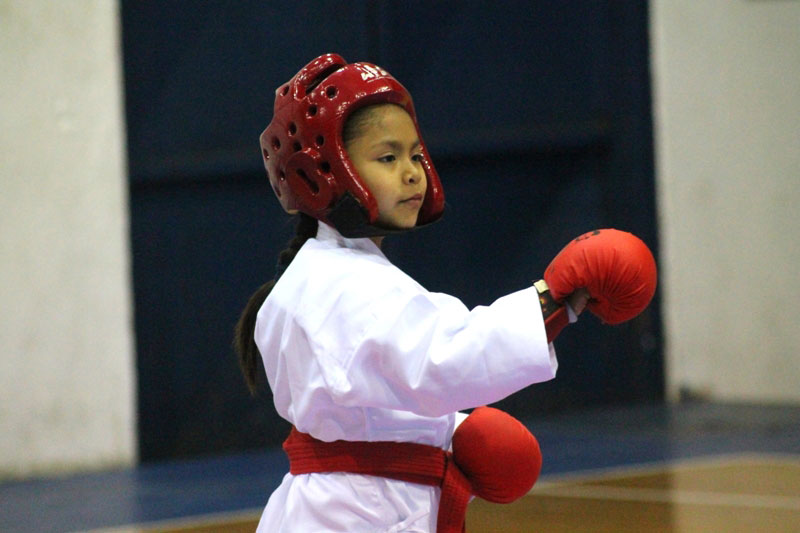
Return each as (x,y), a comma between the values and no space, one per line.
(371,71)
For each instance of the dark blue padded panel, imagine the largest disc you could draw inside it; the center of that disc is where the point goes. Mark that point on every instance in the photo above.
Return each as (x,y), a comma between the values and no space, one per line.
(199,251)
(514,75)
(537,117)
(201,77)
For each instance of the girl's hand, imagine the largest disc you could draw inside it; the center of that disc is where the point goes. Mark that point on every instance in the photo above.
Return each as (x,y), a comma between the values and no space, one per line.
(578,300)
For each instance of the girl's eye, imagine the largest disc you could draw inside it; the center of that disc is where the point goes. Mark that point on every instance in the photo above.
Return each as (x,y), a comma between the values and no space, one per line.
(418,158)
(386,158)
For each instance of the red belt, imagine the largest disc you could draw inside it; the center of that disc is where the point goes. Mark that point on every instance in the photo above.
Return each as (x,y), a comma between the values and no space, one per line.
(404,461)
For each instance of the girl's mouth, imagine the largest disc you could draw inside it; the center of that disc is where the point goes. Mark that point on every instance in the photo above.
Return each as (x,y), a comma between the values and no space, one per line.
(416,199)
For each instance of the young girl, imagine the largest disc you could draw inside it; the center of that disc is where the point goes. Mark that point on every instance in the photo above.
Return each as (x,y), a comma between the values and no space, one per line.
(354,349)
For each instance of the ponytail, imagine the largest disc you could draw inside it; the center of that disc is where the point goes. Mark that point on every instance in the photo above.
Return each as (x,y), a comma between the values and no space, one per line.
(244,342)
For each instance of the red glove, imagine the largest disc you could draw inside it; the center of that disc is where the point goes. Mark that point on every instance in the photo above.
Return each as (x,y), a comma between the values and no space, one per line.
(499,456)
(615,267)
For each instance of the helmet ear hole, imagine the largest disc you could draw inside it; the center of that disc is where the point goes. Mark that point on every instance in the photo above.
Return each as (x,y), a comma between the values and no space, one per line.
(331,92)
(311,184)
(313,188)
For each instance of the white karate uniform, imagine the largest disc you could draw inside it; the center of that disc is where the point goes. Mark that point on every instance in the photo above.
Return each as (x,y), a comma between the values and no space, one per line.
(354,349)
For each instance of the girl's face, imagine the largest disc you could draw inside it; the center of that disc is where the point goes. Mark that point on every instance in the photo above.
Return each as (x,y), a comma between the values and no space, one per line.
(388,156)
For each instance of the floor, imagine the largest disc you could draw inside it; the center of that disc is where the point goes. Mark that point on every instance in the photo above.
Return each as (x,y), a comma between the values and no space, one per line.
(680,468)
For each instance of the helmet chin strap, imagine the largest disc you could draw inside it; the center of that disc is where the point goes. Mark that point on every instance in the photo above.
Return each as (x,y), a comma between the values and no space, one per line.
(352,220)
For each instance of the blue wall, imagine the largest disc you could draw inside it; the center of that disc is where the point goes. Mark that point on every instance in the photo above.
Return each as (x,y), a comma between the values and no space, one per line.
(537,115)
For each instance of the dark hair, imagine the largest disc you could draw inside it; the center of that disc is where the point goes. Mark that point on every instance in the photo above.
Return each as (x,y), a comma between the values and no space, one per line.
(243,339)
(359,120)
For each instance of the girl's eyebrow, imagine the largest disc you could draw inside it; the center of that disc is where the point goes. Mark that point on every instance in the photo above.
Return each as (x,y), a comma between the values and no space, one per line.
(396,145)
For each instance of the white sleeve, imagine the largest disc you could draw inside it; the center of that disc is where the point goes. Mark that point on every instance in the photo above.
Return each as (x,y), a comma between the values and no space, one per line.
(427,353)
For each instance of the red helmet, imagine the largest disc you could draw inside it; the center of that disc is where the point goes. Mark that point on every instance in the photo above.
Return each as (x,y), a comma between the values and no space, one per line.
(306,161)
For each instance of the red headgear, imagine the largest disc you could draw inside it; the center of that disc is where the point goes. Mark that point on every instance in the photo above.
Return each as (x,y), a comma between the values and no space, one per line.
(306,161)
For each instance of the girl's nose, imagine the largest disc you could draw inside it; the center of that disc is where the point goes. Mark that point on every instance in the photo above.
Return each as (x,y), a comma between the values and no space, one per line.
(412,173)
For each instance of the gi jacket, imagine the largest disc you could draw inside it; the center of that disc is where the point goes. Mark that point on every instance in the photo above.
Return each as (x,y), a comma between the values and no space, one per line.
(355,349)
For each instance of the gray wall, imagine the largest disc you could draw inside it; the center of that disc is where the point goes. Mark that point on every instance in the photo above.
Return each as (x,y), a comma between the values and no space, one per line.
(66,338)
(727,116)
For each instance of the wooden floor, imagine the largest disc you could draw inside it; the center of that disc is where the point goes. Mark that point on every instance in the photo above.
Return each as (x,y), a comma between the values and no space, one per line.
(755,494)
(726,494)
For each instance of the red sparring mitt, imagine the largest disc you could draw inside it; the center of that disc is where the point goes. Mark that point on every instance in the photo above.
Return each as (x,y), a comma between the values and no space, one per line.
(616,268)
(499,456)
